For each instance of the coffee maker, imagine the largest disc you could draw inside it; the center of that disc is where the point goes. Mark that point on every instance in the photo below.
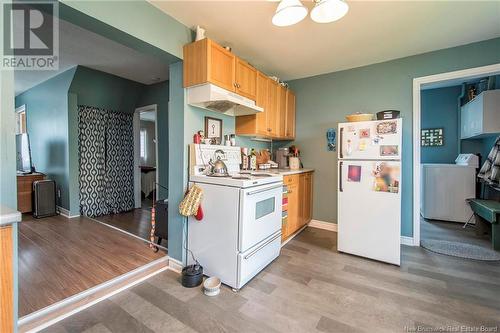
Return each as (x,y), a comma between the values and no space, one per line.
(281,157)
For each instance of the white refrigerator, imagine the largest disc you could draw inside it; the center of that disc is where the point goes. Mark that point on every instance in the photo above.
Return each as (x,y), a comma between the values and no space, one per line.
(369,189)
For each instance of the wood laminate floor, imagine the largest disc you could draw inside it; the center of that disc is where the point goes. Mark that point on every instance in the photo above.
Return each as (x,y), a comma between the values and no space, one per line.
(311,288)
(60,257)
(137,222)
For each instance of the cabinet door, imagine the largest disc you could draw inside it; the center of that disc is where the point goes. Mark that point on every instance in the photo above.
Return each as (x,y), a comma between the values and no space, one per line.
(221,67)
(272,105)
(293,209)
(290,115)
(302,198)
(246,79)
(262,100)
(281,114)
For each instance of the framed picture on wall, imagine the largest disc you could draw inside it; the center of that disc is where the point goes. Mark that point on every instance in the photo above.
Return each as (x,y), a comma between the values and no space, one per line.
(432,137)
(213,129)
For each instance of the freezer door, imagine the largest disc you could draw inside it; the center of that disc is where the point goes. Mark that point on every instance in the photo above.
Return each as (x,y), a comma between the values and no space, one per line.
(369,209)
(370,140)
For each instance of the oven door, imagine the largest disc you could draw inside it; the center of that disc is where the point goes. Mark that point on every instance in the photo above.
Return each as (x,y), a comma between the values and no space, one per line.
(260,213)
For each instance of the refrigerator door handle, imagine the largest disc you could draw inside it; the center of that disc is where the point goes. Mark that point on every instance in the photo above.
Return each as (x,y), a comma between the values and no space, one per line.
(340,177)
(341,139)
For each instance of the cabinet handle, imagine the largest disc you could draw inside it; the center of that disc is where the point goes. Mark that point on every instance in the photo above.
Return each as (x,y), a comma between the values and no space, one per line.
(235,85)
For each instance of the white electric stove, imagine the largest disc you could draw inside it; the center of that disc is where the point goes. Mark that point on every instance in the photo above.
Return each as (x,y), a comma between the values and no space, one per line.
(240,233)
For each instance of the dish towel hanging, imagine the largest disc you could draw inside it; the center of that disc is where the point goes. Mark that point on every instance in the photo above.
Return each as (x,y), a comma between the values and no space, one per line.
(490,171)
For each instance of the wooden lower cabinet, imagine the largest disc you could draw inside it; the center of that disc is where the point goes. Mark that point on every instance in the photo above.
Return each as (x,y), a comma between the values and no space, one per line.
(6,280)
(299,202)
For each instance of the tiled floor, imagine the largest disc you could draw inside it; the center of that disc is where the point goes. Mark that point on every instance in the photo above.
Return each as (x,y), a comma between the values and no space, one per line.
(311,288)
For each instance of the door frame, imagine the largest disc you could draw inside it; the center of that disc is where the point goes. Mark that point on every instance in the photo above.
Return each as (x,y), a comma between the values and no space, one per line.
(137,150)
(418,84)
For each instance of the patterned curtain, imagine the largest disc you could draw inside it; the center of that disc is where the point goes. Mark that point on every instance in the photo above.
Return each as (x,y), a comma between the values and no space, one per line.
(106,166)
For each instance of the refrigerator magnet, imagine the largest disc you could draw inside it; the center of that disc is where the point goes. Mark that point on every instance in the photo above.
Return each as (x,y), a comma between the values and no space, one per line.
(364,133)
(362,145)
(387,127)
(354,173)
(386,177)
(389,150)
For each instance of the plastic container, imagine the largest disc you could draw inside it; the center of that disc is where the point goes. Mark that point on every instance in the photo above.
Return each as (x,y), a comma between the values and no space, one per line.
(387,114)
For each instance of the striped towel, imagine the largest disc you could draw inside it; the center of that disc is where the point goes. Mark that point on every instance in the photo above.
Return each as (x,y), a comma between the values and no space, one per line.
(490,171)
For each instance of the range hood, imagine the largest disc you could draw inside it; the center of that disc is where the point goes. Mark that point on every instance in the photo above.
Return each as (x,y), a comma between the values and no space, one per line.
(214,98)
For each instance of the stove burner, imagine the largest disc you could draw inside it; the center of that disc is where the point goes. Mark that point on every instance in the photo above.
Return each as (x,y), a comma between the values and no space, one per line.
(215,175)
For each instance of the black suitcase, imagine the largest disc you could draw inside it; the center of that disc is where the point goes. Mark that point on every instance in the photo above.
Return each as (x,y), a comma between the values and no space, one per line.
(44,198)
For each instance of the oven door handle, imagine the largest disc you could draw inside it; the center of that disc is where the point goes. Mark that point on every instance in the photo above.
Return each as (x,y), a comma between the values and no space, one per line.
(251,254)
(264,189)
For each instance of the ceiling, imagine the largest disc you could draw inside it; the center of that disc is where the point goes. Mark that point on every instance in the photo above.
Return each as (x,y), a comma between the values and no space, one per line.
(78,46)
(371,32)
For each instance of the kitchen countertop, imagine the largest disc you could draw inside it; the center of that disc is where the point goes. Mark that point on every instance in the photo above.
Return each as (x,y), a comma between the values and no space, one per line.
(8,216)
(287,172)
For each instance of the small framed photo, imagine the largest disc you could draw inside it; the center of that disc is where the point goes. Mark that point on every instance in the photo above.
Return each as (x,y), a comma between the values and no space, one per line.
(213,129)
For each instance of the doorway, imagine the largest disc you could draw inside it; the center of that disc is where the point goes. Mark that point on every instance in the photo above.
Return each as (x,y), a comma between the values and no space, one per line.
(448,231)
(145,156)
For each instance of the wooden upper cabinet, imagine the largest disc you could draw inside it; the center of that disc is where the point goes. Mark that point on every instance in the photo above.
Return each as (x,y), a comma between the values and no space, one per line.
(290,115)
(272,106)
(281,114)
(206,61)
(221,70)
(256,124)
(246,79)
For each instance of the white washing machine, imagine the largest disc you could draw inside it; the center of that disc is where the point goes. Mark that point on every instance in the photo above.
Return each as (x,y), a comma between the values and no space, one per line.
(445,188)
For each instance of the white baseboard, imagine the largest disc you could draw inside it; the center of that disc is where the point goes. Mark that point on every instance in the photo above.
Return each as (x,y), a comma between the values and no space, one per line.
(330,226)
(405,240)
(66,213)
(175,265)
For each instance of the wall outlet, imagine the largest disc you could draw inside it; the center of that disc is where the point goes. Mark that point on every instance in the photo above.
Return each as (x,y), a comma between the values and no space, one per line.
(59,193)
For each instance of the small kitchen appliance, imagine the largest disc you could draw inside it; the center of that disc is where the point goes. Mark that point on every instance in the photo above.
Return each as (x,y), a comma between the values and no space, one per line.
(240,233)
(281,158)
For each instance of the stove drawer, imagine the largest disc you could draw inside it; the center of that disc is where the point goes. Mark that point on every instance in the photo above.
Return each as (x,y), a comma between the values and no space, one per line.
(250,263)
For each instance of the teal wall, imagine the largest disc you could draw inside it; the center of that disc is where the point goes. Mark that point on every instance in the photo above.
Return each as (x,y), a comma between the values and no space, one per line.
(439,109)
(47,126)
(8,188)
(159,94)
(324,100)
(482,146)
(177,155)
(107,91)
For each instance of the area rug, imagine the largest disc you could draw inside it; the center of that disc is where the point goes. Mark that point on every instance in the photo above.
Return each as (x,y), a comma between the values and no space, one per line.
(461,250)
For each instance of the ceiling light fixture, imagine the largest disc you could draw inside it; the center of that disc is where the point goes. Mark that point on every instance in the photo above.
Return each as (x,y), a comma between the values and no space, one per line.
(289,12)
(326,11)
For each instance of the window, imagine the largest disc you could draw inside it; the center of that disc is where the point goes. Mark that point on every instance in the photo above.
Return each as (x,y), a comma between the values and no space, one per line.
(143,144)
(21,119)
